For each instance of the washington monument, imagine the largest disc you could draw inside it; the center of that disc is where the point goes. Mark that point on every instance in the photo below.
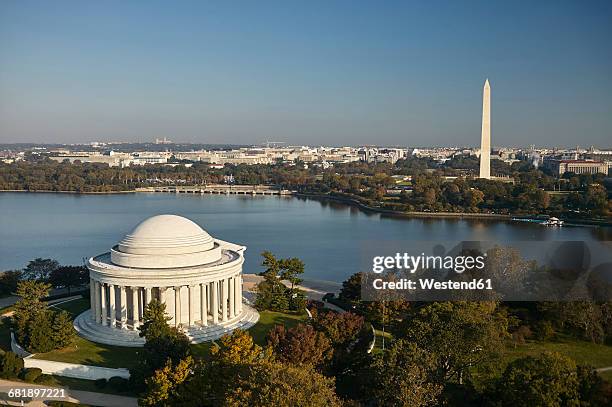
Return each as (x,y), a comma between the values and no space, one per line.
(485,141)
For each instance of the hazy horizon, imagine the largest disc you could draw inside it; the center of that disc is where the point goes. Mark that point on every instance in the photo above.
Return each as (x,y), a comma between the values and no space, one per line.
(341,73)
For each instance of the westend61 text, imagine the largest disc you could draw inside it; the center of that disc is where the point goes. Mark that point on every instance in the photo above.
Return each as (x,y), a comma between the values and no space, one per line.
(431,284)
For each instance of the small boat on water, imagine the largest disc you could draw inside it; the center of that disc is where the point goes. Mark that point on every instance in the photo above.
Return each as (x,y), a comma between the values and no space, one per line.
(555,222)
(548,221)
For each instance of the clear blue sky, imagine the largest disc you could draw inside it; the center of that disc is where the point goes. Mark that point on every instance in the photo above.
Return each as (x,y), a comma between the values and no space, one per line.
(394,73)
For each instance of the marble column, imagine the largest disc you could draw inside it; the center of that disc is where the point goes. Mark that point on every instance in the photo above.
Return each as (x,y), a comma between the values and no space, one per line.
(135,316)
(192,304)
(111,303)
(104,312)
(237,298)
(215,302)
(162,295)
(224,299)
(240,293)
(148,295)
(203,303)
(232,288)
(92,299)
(123,301)
(177,306)
(96,309)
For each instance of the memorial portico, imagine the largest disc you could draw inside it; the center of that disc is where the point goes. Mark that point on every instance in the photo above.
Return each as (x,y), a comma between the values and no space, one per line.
(171,259)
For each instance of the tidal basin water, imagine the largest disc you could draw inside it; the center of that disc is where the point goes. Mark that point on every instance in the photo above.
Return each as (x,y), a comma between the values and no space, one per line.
(327,236)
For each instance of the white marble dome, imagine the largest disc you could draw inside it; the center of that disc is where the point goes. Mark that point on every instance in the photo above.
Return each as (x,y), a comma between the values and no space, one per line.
(164,241)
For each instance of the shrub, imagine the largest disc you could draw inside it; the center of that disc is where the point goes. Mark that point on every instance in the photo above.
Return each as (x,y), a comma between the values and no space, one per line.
(100,383)
(544,330)
(31,374)
(10,365)
(45,379)
(118,383)
(523,332)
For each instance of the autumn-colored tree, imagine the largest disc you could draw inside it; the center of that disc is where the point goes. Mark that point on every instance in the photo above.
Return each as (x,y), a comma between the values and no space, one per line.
(161,388)
(275,384)
(340,328)
(300,345)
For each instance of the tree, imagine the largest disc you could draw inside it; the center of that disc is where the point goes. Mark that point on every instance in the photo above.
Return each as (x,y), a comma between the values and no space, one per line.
(29,307)
(547,380)
(63,334)
(275,384)
(404,376)
(162,387)
(340,328)
(301,345)
(461,335)
(272,294)
(8,281)
(68,276)
(162,343)
(39,337)
(10,365)
(40,269)
(351,289)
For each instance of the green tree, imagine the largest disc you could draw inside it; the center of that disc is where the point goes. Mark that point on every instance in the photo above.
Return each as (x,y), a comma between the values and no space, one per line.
(351,289)
(547,380)
(39,337)
(9,280)
(68,277)
(461,335)
(40,269)
(162,343)
(404,375)
(63,333)
(29,307)
(10,365)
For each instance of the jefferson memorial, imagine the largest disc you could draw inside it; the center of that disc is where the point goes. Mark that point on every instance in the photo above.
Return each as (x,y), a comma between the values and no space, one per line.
(171,259)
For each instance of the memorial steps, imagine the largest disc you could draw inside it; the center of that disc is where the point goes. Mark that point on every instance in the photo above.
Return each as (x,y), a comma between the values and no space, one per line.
(129,338)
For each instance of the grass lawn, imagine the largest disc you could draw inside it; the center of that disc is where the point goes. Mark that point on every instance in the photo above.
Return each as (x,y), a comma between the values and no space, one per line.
(85,352)
(74,307)
(583,352)
(267,321)
(86,385)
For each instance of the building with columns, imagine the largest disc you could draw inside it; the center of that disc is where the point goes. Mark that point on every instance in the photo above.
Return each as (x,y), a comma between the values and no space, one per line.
(171,259)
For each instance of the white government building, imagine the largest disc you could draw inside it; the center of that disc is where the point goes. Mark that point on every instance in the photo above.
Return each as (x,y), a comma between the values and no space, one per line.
(171,259)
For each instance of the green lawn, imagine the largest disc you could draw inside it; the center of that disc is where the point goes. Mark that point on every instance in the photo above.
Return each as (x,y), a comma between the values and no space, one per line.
(267,321)
(82,384)
(90,353)
(74,307)
(583,352)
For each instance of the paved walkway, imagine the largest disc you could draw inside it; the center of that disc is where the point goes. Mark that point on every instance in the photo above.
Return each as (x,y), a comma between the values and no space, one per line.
(75,396)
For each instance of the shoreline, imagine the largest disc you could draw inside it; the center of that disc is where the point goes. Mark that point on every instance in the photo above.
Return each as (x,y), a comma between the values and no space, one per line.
(443,215)
(314,289)
(363,207)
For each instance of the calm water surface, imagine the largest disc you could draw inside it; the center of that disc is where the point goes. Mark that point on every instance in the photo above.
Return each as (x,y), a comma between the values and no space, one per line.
(326,236)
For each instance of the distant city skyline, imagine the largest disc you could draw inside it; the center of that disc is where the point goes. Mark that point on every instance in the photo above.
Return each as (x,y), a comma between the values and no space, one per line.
(405,74)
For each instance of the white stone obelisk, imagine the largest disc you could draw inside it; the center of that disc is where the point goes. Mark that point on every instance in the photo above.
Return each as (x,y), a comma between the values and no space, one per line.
(485,141)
